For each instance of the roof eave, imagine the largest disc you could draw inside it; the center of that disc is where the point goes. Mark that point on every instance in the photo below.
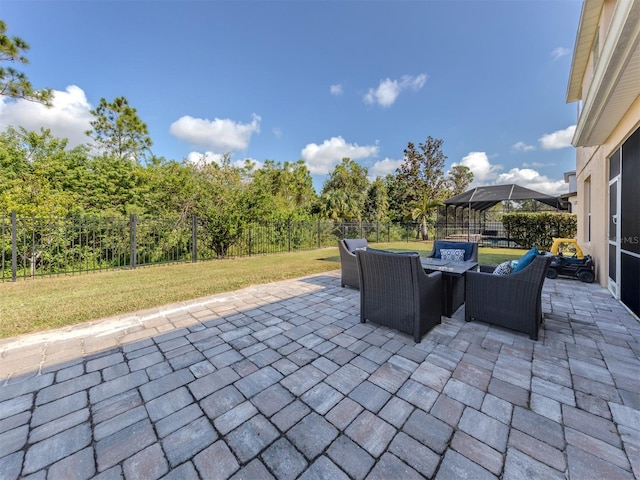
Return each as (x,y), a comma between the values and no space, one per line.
(587,29)
(615,84)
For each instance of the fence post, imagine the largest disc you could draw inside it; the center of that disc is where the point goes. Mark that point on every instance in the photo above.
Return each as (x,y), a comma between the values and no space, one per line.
(319,245)
(133,220)
(14,247)
(194,239)
(289,239)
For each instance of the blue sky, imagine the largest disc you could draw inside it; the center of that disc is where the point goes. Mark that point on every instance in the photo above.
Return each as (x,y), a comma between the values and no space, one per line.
(315,80)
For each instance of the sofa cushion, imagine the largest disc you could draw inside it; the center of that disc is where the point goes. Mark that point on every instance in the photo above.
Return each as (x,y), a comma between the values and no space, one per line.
(454,254)
(467,247)
(503,269)
(353,243)
(526,259)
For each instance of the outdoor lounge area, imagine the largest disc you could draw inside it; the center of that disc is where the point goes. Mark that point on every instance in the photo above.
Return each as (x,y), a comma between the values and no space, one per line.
(283,381)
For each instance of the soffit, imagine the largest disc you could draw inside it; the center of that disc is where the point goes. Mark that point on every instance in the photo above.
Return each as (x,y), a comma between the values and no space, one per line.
(616,82)
(588,26)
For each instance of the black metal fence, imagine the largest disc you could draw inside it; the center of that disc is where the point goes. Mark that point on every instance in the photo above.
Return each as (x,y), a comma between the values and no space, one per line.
(35,247)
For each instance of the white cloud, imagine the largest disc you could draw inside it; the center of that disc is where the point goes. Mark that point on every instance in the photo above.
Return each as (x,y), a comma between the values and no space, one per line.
(336,89)
(221,135)
(69,116)
(322,158)
(204,158)
(257,164)
(388,90)
(277,132)
(483,171)
(199,158)
(528,178)
(558,139)
(383,167)
(523,147)
(560,52)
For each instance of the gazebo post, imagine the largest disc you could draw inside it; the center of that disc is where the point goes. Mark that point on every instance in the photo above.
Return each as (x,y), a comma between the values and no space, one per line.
(469,224)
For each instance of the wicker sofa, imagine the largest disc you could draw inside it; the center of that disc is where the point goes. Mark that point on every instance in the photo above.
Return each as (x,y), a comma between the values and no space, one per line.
(396,292)
(471,247)
(511,301)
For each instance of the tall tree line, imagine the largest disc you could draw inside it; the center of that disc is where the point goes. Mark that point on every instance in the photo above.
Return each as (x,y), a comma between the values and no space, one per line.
(40,176)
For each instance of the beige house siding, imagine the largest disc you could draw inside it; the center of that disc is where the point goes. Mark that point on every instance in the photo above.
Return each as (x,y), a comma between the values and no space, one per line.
(593,163)
(592,234)
(605,80)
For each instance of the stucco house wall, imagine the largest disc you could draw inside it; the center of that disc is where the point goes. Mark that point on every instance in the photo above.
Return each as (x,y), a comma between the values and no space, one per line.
(605,81)
(592,164)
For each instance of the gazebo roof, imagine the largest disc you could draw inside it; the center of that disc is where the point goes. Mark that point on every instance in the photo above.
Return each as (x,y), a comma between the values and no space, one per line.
(483,198)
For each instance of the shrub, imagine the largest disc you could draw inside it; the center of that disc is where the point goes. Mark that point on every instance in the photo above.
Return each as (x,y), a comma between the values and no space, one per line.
(538,229)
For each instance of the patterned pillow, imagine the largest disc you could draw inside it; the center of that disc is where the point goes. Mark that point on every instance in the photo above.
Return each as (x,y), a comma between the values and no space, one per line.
(466,246)
(503,269)
(453,254)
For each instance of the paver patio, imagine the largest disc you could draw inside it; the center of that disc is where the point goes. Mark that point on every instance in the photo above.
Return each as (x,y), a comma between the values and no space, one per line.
(282,381)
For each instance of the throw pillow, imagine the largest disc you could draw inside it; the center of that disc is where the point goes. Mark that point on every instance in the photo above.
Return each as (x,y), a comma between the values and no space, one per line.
(453,254)
(503,269)
(526,259)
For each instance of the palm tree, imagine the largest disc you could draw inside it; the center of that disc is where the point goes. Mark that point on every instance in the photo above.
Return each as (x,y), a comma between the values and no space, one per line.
(337,205)
(421,212)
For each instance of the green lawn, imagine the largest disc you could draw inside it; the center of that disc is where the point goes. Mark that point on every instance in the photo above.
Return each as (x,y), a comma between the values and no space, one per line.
(45,303)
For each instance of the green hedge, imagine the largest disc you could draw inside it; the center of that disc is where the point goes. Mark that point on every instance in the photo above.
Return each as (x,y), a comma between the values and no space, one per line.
(538,229)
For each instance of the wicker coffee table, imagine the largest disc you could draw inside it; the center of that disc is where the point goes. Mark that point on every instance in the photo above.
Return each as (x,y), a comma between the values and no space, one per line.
(453,278)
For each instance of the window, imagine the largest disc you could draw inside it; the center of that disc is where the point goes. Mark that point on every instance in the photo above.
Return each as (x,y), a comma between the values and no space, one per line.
(587,209)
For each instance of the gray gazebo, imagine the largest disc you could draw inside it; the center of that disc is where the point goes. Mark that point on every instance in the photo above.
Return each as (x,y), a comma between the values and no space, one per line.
(483,198)
(480,199)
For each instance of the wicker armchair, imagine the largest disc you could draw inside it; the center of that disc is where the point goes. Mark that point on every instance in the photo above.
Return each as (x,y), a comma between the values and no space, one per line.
(348,263)
(511,301)
(396,292)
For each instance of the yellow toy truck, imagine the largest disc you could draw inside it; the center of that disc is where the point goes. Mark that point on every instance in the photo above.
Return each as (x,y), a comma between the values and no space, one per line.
(569,261)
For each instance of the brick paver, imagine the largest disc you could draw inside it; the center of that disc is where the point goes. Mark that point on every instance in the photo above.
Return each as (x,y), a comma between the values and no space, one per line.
(282,381)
